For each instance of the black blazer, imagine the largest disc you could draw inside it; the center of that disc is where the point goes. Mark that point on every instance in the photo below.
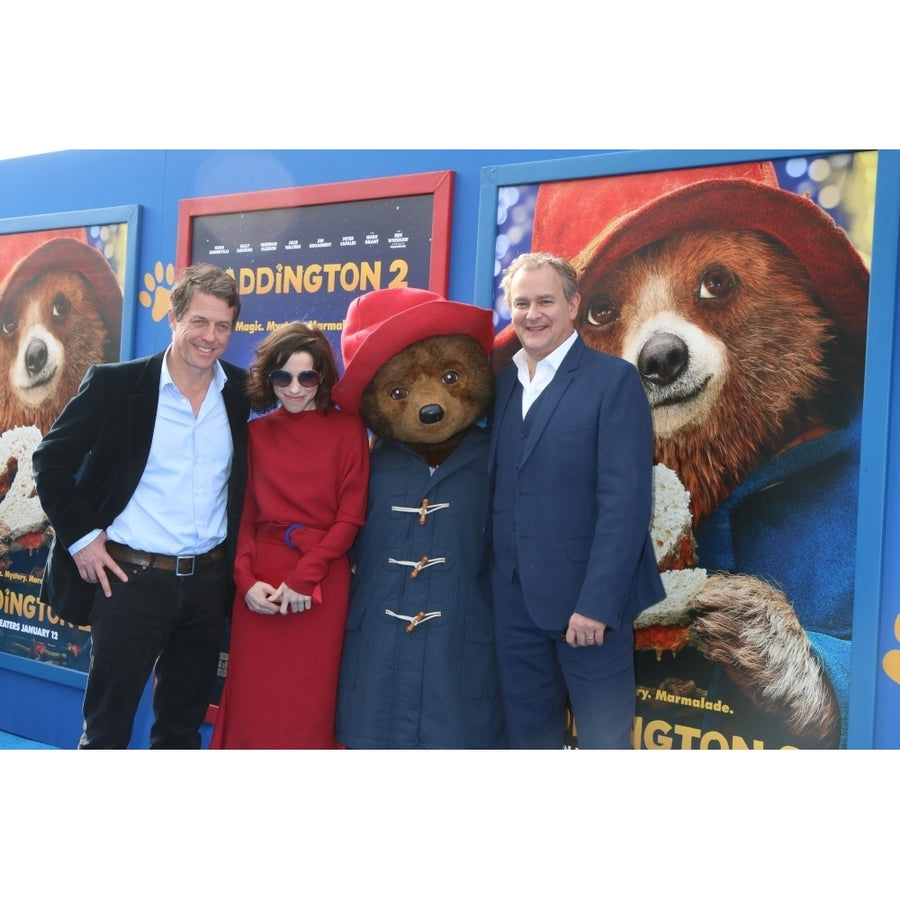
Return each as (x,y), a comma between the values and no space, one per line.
(90,462)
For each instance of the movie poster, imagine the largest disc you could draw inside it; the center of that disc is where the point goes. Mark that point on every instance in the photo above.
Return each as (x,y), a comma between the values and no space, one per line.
(740,293)
(310,262)
(60,312)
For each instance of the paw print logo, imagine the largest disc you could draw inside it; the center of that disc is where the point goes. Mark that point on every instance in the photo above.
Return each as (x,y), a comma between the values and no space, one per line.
(891,661)
(159,290)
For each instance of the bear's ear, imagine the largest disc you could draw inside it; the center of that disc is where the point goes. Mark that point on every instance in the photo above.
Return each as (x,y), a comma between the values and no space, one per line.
(506,343)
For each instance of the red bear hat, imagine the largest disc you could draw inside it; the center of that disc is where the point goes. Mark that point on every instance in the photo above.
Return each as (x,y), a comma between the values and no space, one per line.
(382,323)
(595,223)
(67,254)
(15,247)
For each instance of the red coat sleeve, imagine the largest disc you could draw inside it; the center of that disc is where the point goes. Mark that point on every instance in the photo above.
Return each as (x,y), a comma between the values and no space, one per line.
(352,477)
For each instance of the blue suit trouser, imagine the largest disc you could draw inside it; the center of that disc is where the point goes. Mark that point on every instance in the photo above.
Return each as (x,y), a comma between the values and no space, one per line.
(540,673)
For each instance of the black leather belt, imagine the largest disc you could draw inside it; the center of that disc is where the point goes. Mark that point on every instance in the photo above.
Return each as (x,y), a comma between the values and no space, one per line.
(180,565)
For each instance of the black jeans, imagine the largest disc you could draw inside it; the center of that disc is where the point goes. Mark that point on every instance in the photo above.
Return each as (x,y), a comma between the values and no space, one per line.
(162,620)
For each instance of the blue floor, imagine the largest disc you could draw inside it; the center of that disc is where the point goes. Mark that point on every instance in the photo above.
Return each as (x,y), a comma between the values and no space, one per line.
(14,742)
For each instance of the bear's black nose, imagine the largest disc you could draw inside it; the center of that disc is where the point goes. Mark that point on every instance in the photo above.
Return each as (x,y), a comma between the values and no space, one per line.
(663,359)
(35,356)
(430,414)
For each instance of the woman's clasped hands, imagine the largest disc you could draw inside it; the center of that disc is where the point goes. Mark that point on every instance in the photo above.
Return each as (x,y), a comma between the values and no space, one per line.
(267,600)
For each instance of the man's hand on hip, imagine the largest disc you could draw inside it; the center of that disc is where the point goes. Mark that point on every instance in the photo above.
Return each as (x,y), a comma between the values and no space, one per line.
(93,561)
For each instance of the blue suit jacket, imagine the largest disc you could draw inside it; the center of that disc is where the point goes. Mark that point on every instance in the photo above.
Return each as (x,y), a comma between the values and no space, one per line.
(88,465)
(583,497)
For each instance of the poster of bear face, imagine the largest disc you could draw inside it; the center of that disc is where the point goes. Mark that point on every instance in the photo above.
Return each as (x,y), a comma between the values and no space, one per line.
(740,293)
(61,311)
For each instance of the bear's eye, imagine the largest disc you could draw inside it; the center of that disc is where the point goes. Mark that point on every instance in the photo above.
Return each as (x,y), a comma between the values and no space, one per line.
(715,283)
(451,376)
(8,326)
(60,306)
(601,311)
(399,393)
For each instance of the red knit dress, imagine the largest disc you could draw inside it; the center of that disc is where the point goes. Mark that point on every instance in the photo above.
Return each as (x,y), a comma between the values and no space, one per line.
(310,470)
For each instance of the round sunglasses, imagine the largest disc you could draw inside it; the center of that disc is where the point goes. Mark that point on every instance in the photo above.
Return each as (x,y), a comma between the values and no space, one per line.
(308,378)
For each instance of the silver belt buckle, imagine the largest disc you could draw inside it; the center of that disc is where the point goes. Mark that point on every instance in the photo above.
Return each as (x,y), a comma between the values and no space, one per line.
(178,561)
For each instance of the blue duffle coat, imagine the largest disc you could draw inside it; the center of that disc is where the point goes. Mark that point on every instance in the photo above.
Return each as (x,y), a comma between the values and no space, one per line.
(418,668)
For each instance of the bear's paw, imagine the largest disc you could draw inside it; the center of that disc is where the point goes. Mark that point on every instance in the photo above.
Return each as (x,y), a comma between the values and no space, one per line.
(751,631)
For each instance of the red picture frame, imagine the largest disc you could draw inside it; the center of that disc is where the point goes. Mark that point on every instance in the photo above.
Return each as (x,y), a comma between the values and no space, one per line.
(397,227)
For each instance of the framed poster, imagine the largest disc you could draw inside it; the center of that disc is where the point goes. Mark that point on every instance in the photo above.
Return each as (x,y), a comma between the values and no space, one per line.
(307,252)
(754,293)
(62,282)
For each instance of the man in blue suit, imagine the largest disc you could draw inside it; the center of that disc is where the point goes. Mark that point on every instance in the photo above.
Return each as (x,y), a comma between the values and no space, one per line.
(572,563)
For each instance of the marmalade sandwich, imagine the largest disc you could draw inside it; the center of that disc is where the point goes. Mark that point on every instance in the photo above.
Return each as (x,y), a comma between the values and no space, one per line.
(667,625)
(23,524)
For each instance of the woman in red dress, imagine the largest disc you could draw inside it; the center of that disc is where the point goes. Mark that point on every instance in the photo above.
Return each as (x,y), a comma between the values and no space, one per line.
(308,469)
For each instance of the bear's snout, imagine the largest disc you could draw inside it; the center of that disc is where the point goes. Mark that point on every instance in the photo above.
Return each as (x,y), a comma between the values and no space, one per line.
(35,356)
(663,358)
(431,414)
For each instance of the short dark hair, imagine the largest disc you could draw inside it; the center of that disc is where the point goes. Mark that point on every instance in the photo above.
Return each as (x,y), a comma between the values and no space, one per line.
(273,352)
(564,269)
(204,278)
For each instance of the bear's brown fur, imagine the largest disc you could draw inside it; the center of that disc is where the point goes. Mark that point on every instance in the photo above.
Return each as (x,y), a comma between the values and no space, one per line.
(750,629)
(52,332)
(430,395)
(731,343)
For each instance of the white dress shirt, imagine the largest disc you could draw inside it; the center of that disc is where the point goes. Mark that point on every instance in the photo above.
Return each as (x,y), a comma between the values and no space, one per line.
(543,371)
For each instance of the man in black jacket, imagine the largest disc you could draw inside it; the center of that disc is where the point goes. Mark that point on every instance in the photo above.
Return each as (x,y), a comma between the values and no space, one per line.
(142,477)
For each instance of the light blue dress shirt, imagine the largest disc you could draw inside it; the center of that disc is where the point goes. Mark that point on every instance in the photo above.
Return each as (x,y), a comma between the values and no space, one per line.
(179,506)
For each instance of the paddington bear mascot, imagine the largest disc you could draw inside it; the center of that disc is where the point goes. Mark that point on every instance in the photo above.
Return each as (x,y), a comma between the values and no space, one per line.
(418,667)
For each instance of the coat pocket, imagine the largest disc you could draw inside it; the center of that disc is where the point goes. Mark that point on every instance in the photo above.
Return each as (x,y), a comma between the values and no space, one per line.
(352,647)
(480,679)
